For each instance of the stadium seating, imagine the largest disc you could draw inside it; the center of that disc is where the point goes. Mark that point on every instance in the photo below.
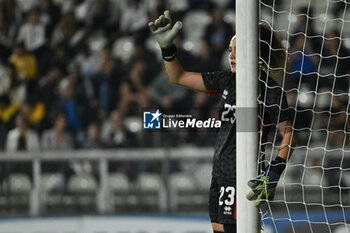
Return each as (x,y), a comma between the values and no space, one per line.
(19,183)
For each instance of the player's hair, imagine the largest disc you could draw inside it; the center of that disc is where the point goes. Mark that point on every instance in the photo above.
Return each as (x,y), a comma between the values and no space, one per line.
(272,53)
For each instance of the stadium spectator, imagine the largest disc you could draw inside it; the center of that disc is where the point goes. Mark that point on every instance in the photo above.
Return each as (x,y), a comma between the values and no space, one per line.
(33,110)
(57,138)
(81,84)
(11,85)
(58,59)
(68,31)
(134,17)
(100,14)
(70,107)
(78,92)
(334,65)
(5,81)
(68,6)
(93,139)
(32,35)
(114,134)
(22,138)
(218,33)
(26,69)
(8,112)
(49,15)
(48,90)
(302,65)
(305,26)
(140,54)
(88,61)
(24,62)
(12,12)
(134,94)
(107,83)
(303,62)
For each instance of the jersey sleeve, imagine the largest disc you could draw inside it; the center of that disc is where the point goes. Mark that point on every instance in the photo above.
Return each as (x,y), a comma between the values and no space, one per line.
(214,81)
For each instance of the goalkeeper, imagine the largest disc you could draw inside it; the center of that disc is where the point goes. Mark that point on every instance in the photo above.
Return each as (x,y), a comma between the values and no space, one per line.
(222,207)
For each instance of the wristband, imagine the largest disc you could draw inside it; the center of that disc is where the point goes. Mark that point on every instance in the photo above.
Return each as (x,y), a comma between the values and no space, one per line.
(169,53)
(278,165)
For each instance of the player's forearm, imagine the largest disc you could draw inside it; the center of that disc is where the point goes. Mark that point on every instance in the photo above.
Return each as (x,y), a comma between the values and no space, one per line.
(183,78)
(174,70)
(286,148)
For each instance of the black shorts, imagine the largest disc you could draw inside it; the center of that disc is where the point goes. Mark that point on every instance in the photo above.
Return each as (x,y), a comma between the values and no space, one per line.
(222,201)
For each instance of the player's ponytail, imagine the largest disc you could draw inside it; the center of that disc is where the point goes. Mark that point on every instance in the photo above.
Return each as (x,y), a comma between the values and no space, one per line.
(273,55)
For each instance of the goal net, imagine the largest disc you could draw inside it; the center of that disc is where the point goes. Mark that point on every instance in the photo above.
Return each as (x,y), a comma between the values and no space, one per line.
(313,194)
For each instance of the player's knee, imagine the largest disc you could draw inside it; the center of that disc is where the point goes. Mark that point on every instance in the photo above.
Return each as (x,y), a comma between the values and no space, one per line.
(230,228)
(217,227)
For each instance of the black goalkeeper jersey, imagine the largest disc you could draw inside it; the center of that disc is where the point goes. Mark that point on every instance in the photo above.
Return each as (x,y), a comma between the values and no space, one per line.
(224,83)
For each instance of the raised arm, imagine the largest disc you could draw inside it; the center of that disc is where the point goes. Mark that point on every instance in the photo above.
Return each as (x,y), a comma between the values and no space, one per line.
(165,34)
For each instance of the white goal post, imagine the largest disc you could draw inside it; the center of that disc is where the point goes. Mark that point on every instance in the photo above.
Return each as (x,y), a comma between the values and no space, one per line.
(246,112)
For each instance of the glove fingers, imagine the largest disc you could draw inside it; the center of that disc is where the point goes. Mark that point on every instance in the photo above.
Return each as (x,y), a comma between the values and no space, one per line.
(157,22)
(175,30)
(167,15)
(152,26)
(253,183)
(160,25)
(163,21)
(253,195)
(261,199)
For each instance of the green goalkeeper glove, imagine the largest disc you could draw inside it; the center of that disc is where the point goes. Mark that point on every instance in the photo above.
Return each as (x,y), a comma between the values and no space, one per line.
(264,186)
(165,34)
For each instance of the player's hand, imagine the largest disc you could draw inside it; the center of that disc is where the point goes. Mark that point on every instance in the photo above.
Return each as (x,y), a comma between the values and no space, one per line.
(162,30)
(263,188)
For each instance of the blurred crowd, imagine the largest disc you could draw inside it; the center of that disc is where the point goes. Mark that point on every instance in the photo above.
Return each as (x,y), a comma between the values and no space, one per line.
(61,88)
(318,78)
(75,73)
